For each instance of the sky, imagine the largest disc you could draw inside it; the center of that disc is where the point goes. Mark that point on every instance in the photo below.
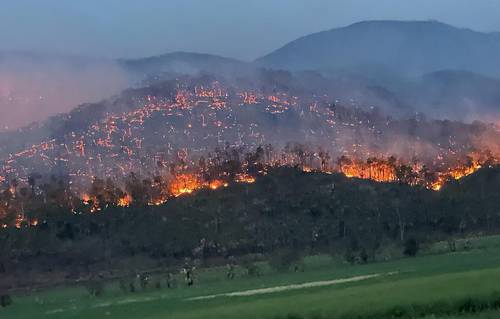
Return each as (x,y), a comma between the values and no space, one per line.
(243,29)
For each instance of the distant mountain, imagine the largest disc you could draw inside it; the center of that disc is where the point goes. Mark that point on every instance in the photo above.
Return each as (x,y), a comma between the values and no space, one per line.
(408,48)
(175,62)
(183,63)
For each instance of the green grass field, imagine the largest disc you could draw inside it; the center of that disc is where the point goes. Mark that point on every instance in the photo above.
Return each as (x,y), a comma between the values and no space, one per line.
(435,285)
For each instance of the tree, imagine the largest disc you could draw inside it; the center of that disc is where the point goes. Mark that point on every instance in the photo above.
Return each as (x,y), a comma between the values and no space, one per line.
(411,247)
(5,300)
(400,217)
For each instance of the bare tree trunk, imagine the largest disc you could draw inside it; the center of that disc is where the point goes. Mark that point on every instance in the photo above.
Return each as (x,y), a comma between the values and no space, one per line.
(402,225)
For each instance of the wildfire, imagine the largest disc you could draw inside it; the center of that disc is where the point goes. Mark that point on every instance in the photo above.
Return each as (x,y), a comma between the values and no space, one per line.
(88,200)
(438,185)
(380,170)
(19,221)
(377,170)
(215,184)
(307,169)
(461,172)
(85,199)
(207,114)
(390,170)
(245,178)
(456,173)
(125,201)
(184,184)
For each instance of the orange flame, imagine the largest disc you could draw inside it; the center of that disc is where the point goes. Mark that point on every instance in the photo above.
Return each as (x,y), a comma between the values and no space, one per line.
(125,201)
(379,171)
(245,178)
(184,184)
(215,184)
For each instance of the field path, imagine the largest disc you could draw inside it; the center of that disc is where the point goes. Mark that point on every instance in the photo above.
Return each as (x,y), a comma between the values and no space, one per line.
(276,289)
(243,293)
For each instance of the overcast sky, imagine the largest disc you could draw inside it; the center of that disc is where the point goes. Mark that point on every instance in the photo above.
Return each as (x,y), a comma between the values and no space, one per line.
(244,29)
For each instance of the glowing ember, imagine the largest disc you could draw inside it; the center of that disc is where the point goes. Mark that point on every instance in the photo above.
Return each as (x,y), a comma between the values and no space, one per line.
(215,184)
(437,186)
(125,201)
(307,169)
(245,178)
(19,221)
(86,199)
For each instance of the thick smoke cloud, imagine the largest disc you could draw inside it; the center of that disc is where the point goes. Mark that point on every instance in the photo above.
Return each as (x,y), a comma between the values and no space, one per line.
(34,88)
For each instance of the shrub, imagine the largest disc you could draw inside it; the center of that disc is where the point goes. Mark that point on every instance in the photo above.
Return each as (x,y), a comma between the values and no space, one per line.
(363,256)
(349,256)
(411,247)
(158,284)
(95,288)
(131,287)
(283,260)
(5,300)
(251,269)
(123,286)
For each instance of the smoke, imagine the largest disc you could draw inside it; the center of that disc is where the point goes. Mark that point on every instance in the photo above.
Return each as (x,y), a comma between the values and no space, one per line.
(33,88)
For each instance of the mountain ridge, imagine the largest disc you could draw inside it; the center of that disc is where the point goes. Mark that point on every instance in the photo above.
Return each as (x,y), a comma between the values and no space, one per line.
(409,47)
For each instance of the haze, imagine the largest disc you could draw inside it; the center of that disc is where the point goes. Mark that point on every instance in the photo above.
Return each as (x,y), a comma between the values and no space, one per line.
(125,28)
(114,29)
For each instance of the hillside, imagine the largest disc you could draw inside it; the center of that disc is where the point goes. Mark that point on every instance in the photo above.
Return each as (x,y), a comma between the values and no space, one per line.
(183,63)
(409,48)
(314,212)
(298,120)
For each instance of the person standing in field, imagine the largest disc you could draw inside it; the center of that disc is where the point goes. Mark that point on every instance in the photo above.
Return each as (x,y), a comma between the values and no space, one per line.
(188,274)
(230,271)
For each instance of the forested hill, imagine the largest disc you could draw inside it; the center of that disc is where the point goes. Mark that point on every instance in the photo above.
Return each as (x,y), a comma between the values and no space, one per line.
(287,208)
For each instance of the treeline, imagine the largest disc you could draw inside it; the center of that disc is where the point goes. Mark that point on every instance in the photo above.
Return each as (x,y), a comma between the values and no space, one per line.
(285,209)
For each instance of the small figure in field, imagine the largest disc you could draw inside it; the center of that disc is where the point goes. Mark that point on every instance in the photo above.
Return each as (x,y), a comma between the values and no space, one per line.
(188,274)
(230,271)
(144,279)
(298,267)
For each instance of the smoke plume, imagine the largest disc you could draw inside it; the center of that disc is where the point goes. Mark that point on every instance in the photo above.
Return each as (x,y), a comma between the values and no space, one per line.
(33,88)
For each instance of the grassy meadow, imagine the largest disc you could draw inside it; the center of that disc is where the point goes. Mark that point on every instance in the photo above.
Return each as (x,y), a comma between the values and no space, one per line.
(435,284)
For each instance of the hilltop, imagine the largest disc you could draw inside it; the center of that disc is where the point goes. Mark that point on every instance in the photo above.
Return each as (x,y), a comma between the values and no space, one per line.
(409,48)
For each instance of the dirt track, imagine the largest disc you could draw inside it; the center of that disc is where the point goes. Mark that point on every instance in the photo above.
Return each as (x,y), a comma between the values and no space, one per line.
(244,293)
(291,287)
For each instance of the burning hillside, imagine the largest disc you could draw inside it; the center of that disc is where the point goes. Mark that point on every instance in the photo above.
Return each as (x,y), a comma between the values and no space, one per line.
(182,135)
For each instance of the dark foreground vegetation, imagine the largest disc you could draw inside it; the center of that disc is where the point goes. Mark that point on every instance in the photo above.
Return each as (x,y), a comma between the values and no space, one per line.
(285,214)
